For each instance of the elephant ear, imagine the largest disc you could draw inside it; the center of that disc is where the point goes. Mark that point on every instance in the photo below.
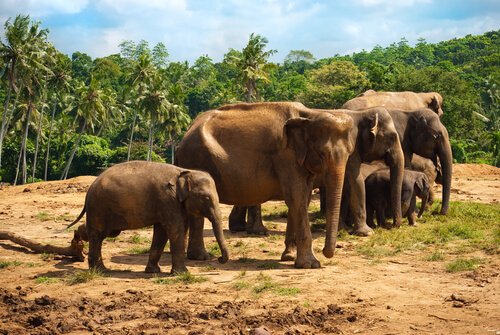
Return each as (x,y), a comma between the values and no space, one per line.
(296,137)
(434,104)
(183,186)
(422,184)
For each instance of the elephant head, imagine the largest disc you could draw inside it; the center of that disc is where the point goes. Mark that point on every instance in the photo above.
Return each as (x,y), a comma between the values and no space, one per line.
(196,191)
(429,138)
(322,144)
(434,102)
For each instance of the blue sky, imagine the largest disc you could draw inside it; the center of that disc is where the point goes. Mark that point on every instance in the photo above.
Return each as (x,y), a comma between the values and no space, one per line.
(191,28)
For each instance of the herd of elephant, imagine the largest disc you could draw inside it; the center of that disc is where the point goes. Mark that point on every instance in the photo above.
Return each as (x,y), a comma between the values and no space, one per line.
(375,155)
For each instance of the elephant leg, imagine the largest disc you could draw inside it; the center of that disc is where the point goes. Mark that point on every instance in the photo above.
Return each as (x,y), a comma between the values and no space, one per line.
(237,219)
(255,225)
(412,216)
(290,246)
(160,238)
(177,238)
(196,246)
(95,246)
(322,200)
(369,216)
(381,218)
(358,206)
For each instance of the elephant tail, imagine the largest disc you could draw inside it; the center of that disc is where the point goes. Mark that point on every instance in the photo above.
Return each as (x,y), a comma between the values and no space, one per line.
(78,218)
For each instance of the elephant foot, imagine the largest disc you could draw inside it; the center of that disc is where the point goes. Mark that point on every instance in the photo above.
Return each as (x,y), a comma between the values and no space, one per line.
(308,262)
(178,269)
(237,219)
(198,255)
(363,231)
(287,256)
(152,268)
(259,230)
(236,227)
(99,267)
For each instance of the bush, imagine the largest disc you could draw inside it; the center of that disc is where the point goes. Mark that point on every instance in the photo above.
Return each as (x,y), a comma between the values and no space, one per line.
(91,157)
(139,151)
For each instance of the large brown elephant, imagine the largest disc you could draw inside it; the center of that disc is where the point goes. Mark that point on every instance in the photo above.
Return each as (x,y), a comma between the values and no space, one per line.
(375,138)
(397,100)
(262,151)
(421,132)
(137,194)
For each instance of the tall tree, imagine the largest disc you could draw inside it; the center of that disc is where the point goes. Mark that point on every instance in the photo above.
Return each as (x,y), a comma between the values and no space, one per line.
(90,110)
(253,65)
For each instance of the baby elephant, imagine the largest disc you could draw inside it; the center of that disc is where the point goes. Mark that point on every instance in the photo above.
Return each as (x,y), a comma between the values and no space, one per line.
(138,194)
(378,195)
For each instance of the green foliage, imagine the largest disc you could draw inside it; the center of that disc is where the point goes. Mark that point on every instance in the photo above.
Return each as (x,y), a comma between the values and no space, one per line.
(6,264)
(463,264)
(92,156)
(46,280)
(184,278)
(467,225)
(83,276)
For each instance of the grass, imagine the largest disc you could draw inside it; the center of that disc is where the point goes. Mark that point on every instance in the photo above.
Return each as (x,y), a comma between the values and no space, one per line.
(435,256)
(44,216)
(185,278)
(269,265)
(138,239)
(7,264)
(467,227)
(263,283)
(83,276)
(463,264)
(46,280)
(272,212)
(138,250)
(46,257)
(214,249)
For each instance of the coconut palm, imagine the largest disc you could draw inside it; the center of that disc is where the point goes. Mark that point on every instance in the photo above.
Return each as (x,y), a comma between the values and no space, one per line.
(22,52)
(141,77)
(60,84)
(90,110)
(253,64)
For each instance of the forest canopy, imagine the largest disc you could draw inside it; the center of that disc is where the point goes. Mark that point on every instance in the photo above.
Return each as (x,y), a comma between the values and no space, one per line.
(64,116)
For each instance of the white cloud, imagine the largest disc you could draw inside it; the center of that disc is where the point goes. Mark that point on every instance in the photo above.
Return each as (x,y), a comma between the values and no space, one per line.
(38,8)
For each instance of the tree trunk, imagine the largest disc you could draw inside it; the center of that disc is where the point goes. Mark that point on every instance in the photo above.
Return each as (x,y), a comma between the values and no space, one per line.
(131,135)
(75,249)
(48,140)
(38,132)
(64,175)
(23,144)
(150,140)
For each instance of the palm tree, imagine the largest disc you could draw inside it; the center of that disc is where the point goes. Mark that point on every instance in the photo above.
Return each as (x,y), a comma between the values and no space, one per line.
(60,83)
(90,110)
(141,77)
(21,49)
(253,64)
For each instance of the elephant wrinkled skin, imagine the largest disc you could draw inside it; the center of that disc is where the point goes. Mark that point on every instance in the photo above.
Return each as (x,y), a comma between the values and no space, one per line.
(137,194)
(262,151)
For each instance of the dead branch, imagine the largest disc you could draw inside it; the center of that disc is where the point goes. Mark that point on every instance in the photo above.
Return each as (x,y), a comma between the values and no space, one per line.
(75,249)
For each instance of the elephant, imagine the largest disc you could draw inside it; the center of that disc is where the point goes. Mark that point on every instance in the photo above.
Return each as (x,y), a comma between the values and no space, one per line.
(400,100)
(137,194)
(378,194)
(272,150)
(421,132)
(375,138)
(433,173)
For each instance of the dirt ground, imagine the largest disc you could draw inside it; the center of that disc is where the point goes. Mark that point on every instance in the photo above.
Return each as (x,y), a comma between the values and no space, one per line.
(350,294)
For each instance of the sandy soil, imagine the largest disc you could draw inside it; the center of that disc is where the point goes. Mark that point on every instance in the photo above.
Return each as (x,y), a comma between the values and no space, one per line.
(350,294)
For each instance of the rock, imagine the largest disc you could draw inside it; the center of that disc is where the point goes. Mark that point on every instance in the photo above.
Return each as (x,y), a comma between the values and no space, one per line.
(458,304)
(44,300)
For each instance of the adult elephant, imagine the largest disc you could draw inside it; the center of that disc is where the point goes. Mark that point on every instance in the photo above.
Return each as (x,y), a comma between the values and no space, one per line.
(421,132)
(375,138)
(262,151)
(400,100)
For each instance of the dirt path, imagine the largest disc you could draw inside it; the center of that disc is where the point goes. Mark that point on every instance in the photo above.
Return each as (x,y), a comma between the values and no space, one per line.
(350,294)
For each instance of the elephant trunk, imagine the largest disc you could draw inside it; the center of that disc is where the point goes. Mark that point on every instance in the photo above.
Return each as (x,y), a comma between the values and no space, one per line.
(396,163)
(425,197)
(216,221)
(446,160)
(334,185)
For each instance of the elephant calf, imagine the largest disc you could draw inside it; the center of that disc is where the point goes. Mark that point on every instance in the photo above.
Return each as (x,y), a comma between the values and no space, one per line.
(378,195)
(138,194)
